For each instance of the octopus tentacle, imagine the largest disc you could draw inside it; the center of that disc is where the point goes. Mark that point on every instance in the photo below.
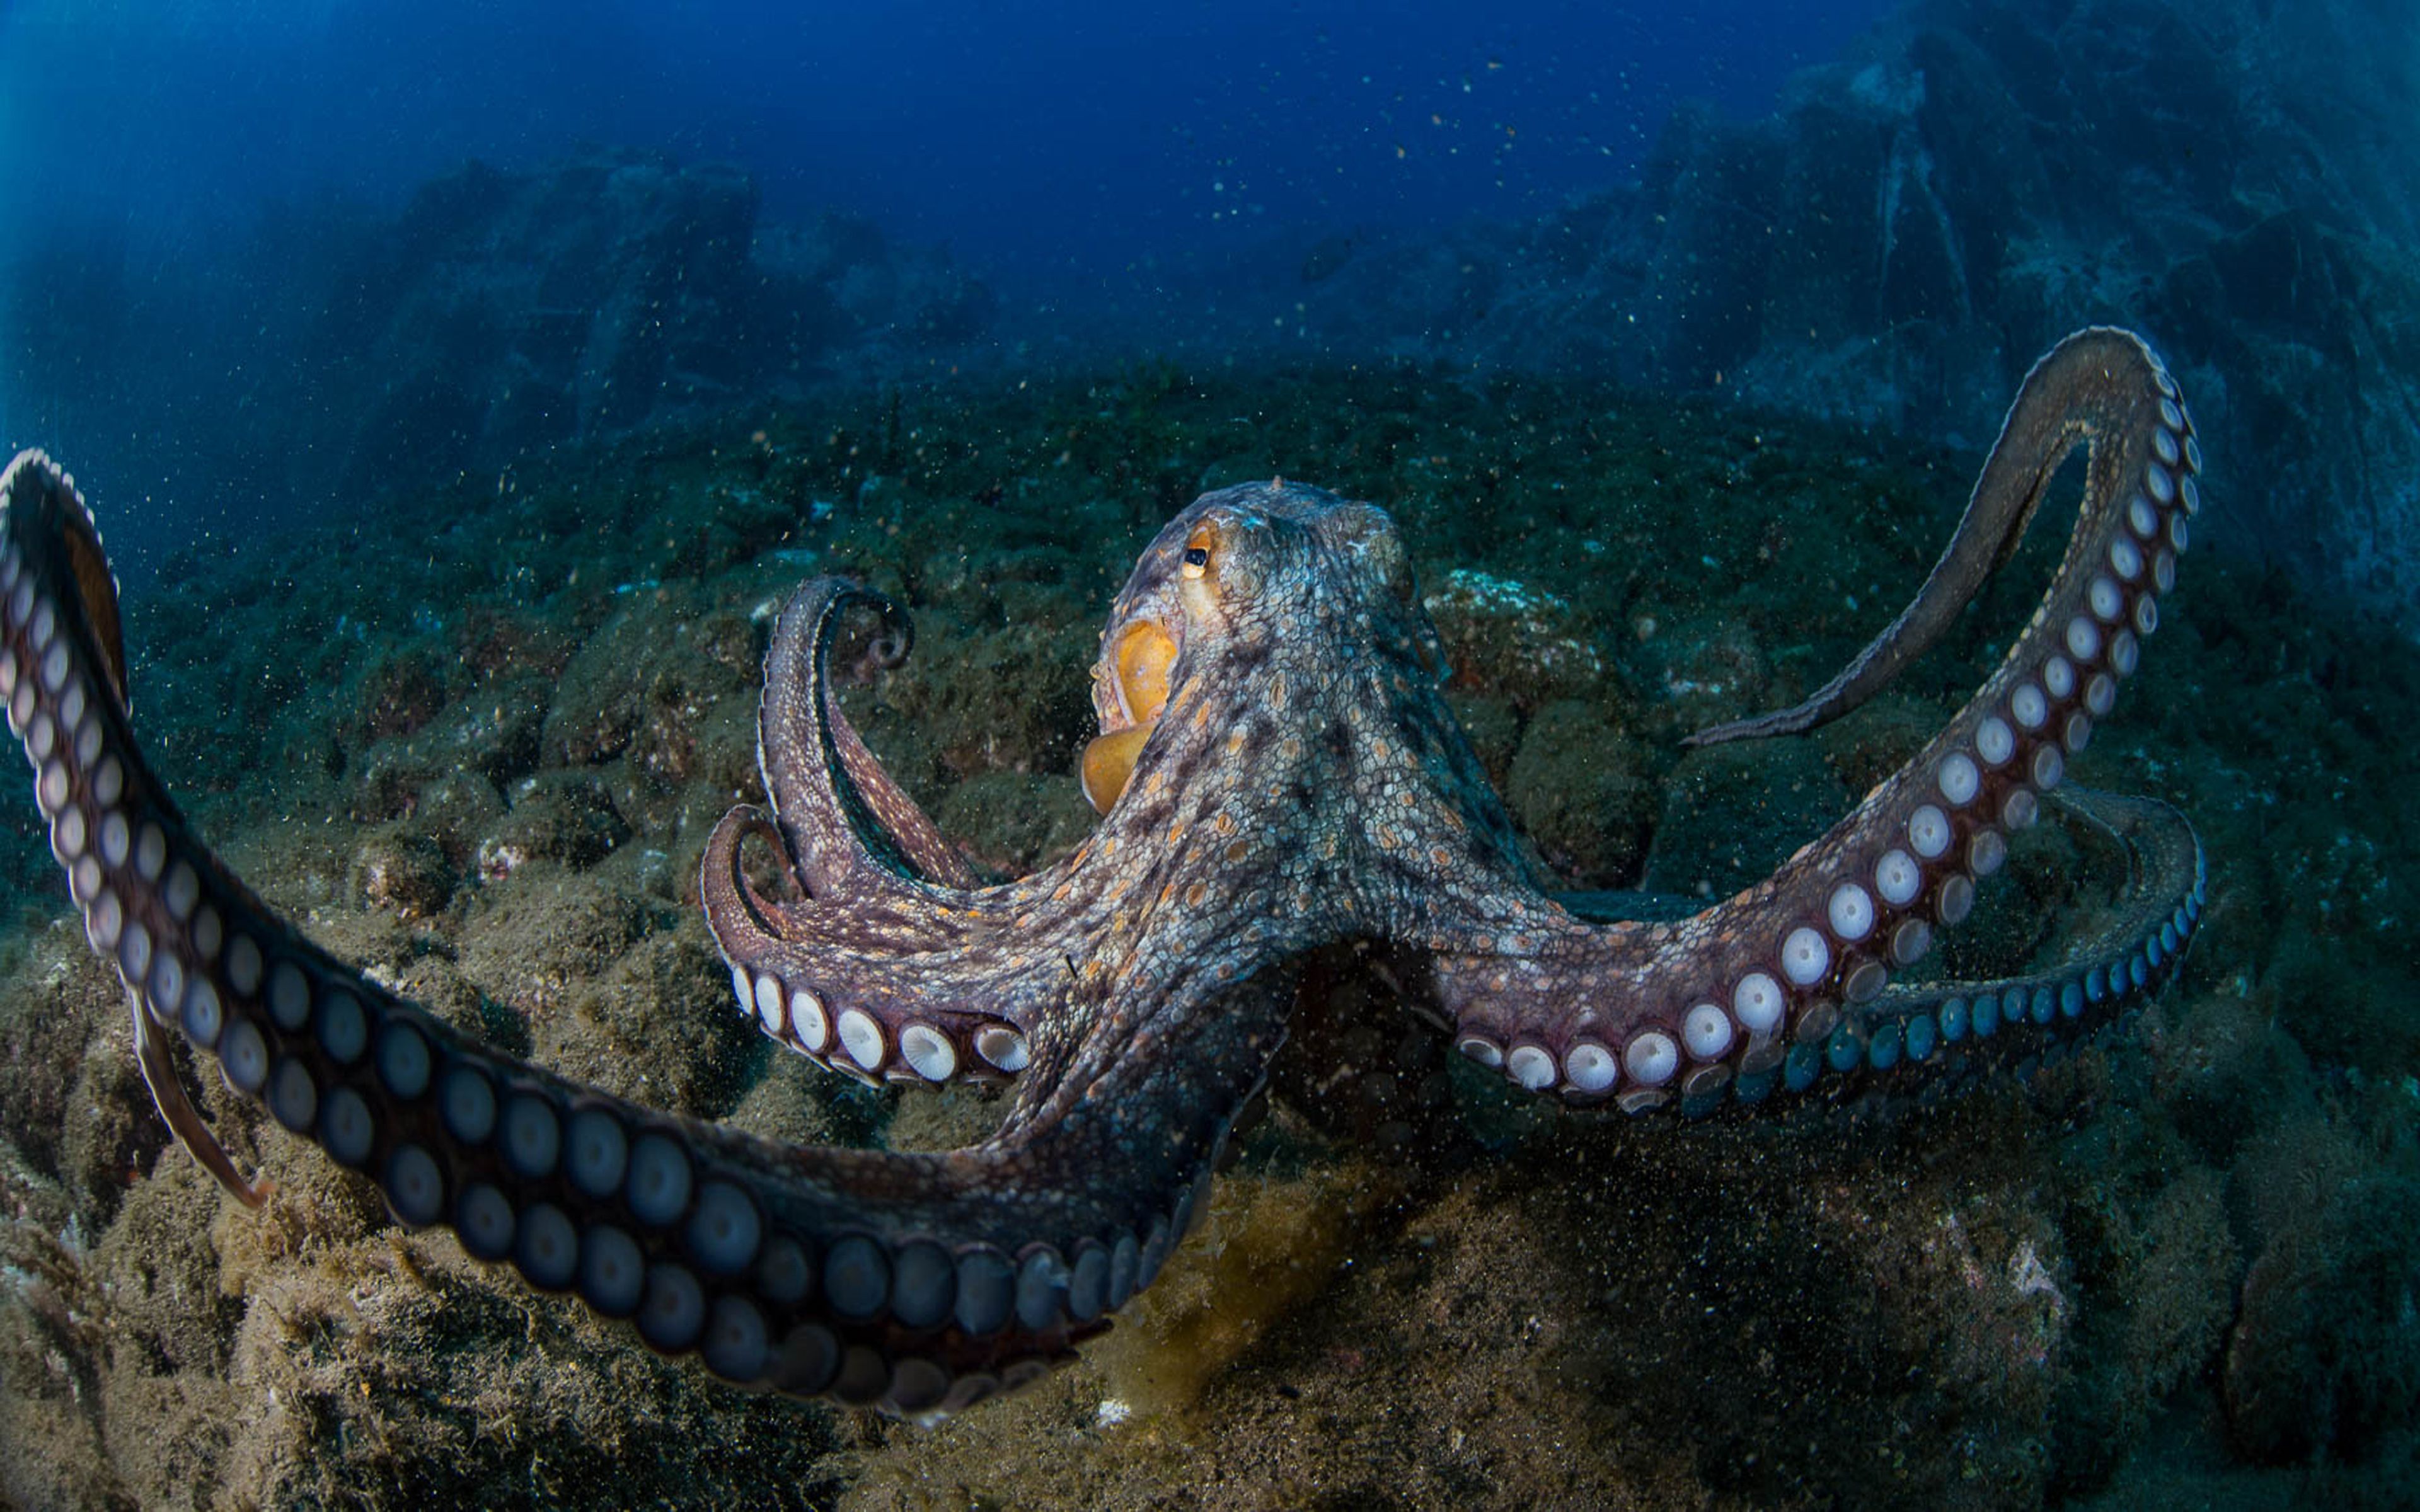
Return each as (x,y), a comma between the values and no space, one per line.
(1969,1027)
(852,830)
(869,1009)
(2034,439)
(64,678)
(843,977)
(785,988)
(918,1283)
(1745,992)
(2129,955)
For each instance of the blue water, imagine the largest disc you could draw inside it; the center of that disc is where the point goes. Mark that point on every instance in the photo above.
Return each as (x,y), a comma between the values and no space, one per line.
(1059,152)
(1027,134)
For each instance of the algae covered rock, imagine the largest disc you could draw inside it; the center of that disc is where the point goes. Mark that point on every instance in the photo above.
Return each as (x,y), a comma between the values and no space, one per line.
(1585,792)
(2325,1355)
(639,683)
(564,817)
(1520,642)
(403,868)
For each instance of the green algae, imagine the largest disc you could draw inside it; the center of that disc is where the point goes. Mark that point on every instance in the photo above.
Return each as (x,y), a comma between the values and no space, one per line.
(484,765)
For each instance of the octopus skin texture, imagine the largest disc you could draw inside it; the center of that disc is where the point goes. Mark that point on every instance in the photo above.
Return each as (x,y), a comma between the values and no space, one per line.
(1279,776)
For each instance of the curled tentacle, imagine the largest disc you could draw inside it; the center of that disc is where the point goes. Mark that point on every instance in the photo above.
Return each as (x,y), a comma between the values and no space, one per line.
(864,975)
(918,1283)
(867,1004)
(722,882)
(1745,992)
(788,992)
(853,832)
(2034,439)
(1969,1027)
(63,674)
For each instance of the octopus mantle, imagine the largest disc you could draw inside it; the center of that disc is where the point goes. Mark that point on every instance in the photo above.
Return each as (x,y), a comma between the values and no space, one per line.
(1278,774)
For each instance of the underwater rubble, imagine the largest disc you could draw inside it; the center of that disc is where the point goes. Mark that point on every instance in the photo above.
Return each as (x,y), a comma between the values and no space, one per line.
(482,758)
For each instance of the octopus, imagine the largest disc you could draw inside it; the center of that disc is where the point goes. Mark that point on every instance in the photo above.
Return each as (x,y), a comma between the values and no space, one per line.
(1278,775)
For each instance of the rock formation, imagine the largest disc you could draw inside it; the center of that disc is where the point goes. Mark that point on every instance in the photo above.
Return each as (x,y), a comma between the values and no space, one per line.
(499,313)
(2239,178)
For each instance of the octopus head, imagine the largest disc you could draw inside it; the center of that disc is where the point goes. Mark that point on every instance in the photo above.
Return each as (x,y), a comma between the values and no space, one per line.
(1235,590)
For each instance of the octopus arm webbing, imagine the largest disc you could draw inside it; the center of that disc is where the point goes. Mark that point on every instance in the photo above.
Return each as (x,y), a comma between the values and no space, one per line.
(1750,995)
(918,1283)
(2059,401)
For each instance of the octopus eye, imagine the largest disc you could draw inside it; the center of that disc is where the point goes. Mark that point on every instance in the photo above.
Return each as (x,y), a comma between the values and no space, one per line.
(1197,557)
(1197,552)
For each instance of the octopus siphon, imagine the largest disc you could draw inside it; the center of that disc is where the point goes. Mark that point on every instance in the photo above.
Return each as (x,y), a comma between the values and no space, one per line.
(1278,775)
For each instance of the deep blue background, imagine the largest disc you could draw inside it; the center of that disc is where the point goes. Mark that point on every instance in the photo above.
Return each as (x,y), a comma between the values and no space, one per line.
(1023,134)
(1051,146)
